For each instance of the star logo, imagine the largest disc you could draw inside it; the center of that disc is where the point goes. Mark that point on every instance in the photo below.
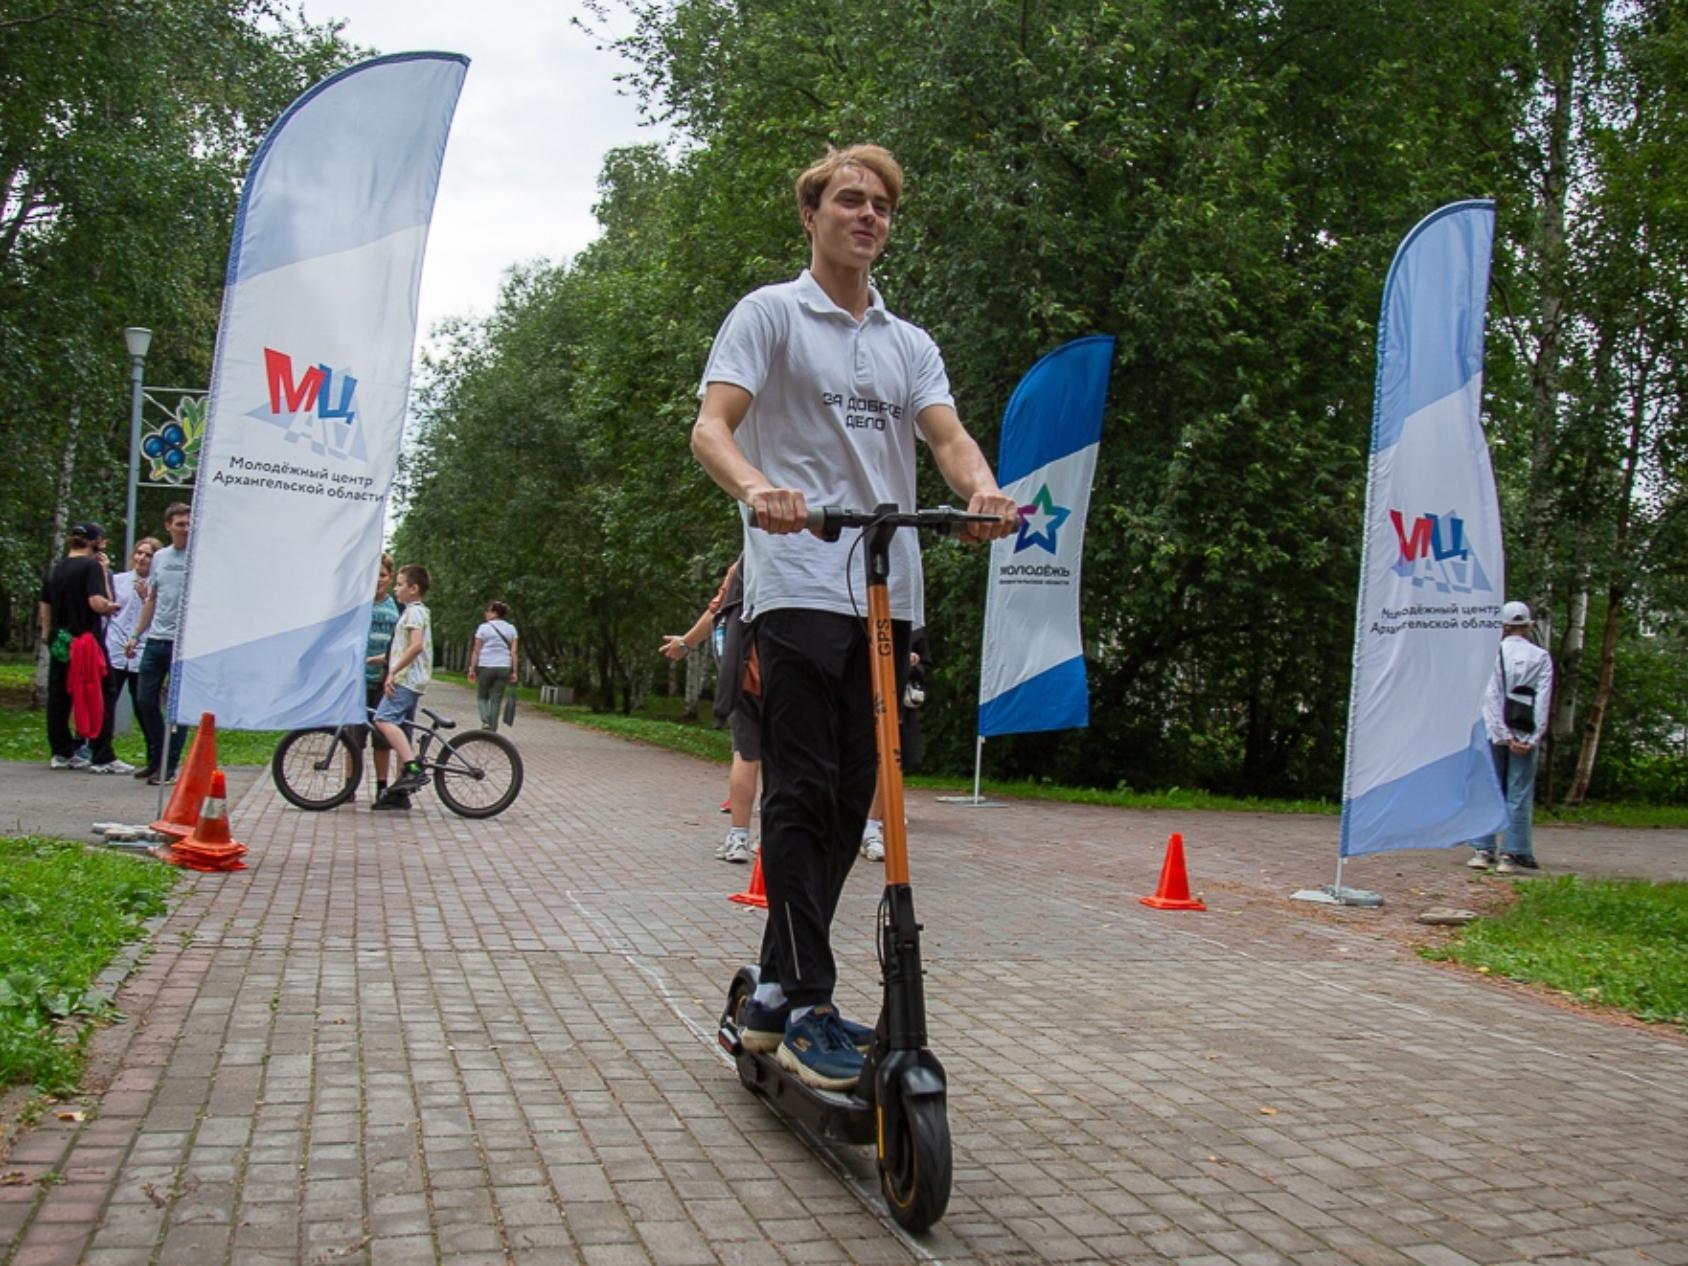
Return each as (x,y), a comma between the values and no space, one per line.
(1040,521)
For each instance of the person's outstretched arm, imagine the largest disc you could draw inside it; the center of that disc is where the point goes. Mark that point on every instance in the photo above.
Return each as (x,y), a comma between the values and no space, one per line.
(966,471)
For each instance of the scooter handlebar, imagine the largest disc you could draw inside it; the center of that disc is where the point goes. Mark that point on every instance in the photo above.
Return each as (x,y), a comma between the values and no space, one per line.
(828,521)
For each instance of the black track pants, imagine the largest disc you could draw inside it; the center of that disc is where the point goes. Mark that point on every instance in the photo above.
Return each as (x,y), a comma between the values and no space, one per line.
(818,772)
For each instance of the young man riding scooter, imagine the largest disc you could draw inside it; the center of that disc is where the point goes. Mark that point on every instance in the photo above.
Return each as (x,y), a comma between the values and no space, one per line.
(814,395)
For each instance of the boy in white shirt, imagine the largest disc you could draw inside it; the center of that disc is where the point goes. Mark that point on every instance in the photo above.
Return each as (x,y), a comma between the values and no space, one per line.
(410,666)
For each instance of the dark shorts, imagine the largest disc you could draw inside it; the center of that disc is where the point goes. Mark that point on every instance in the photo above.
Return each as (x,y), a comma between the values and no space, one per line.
(746,723)
(372,696)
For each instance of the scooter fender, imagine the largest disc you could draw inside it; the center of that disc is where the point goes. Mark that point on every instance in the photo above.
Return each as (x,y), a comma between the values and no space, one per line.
(922,1083)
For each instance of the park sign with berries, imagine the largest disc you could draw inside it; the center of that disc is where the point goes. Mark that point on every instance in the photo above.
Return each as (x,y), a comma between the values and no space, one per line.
(172,447)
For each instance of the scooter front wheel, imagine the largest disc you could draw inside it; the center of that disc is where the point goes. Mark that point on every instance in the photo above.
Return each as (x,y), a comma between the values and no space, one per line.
(915,1165)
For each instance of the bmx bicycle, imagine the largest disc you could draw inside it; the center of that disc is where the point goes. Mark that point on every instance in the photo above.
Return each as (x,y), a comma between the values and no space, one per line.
(899,1102)
(477,774)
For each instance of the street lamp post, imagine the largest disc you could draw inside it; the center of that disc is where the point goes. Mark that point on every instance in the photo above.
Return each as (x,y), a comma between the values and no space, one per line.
(137,339)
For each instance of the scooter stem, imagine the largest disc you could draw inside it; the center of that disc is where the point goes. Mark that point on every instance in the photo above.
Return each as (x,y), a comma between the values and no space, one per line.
(887,734)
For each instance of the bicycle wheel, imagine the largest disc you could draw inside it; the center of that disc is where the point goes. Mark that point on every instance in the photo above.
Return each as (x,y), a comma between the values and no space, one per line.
(478,774)
(317,769)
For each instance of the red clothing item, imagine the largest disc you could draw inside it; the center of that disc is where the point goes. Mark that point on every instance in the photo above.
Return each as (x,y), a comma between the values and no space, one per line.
(86,683)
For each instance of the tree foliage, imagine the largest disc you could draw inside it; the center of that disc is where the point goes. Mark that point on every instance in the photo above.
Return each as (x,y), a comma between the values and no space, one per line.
(1220,185)
(125,130)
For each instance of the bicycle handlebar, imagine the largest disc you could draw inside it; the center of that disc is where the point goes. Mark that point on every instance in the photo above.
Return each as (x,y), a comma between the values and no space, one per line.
(828,521)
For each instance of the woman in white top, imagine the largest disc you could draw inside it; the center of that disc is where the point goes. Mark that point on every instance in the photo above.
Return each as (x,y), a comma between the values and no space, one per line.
(130,590)
(493,662)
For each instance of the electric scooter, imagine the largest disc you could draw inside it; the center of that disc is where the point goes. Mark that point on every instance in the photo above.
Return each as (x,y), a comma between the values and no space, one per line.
(899,1103)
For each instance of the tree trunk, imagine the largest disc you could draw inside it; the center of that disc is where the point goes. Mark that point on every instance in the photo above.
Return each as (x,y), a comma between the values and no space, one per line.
(1602,697)
(1614,596)
(1569,664)
(697,674)
(1549,249)
(61,521)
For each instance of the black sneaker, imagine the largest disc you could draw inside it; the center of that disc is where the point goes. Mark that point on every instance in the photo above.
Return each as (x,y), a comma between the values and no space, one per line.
(393,799)
(408,781)
(762,1028)
(1522,862)
(145,773)
(818,1049)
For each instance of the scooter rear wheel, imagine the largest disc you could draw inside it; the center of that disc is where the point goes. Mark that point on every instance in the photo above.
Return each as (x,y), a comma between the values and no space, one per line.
(914,1172)
(738,997)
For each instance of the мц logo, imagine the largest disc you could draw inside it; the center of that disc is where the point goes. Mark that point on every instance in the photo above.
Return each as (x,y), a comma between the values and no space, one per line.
(307,408)
(1433,551)
(1040,521)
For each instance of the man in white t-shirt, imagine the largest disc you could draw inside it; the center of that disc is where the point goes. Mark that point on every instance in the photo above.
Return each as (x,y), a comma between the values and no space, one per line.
(814,395)
(155,633)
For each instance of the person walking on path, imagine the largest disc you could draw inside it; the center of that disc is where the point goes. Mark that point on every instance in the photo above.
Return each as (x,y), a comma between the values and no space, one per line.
(155,633)
(129,589)
(493,662)
(1515,713)
(814,394)
(739,709)
(75,599)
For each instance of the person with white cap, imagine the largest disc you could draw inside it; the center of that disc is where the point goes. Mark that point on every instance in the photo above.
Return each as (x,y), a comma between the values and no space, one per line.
(1515,711)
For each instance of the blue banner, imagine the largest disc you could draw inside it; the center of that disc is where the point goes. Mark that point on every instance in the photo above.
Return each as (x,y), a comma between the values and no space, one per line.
(1432,571)
(308,392)
(1031,676)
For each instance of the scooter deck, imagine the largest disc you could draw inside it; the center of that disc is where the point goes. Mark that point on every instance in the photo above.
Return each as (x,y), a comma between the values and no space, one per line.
(833,1114)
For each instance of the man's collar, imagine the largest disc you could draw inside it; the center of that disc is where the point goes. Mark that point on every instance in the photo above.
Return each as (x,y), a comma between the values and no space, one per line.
(816,300)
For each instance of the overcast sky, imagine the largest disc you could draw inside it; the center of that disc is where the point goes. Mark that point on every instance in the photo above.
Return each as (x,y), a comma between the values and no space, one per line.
(539,110)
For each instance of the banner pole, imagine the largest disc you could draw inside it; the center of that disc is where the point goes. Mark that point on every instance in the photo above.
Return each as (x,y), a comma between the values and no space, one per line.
(978,761)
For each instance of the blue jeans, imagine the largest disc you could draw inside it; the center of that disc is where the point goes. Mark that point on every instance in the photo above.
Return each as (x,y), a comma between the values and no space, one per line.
(150,704)
(1518,780)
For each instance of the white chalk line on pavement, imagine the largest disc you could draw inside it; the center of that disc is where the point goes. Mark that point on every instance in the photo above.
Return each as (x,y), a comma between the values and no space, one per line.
(822,1149)
(1396,1004)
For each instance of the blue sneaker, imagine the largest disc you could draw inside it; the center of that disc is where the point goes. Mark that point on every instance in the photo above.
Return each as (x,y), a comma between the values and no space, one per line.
(762,1028)
(820,1052)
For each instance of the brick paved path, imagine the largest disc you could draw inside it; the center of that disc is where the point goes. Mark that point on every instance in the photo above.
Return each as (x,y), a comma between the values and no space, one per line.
(427,1039)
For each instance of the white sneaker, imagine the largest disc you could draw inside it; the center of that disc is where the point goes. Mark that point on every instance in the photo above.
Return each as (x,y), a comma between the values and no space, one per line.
(737,847)
(1481,861)
(69,762)
(1505,867)
(873,845)
(112,767)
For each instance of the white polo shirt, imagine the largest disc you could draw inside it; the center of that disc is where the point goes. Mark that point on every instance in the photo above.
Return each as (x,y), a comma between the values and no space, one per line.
(832,415)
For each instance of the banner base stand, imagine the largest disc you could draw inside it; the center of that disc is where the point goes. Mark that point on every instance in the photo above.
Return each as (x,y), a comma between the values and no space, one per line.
(972,802)
(1336,895)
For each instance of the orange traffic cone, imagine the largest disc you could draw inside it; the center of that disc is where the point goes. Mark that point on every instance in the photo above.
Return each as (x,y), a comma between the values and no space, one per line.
(756,894)
(210,847)
(193,781)
(1174,890)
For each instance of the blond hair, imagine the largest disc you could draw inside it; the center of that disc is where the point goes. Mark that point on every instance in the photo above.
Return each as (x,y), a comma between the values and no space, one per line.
(874,158)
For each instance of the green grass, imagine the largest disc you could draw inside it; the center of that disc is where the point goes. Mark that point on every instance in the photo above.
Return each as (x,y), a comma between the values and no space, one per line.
(659,724)
(1614,942)
(64,911)
(1639,816)
(23,731)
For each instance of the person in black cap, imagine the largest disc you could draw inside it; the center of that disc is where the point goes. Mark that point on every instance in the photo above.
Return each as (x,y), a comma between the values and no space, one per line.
(75,599)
